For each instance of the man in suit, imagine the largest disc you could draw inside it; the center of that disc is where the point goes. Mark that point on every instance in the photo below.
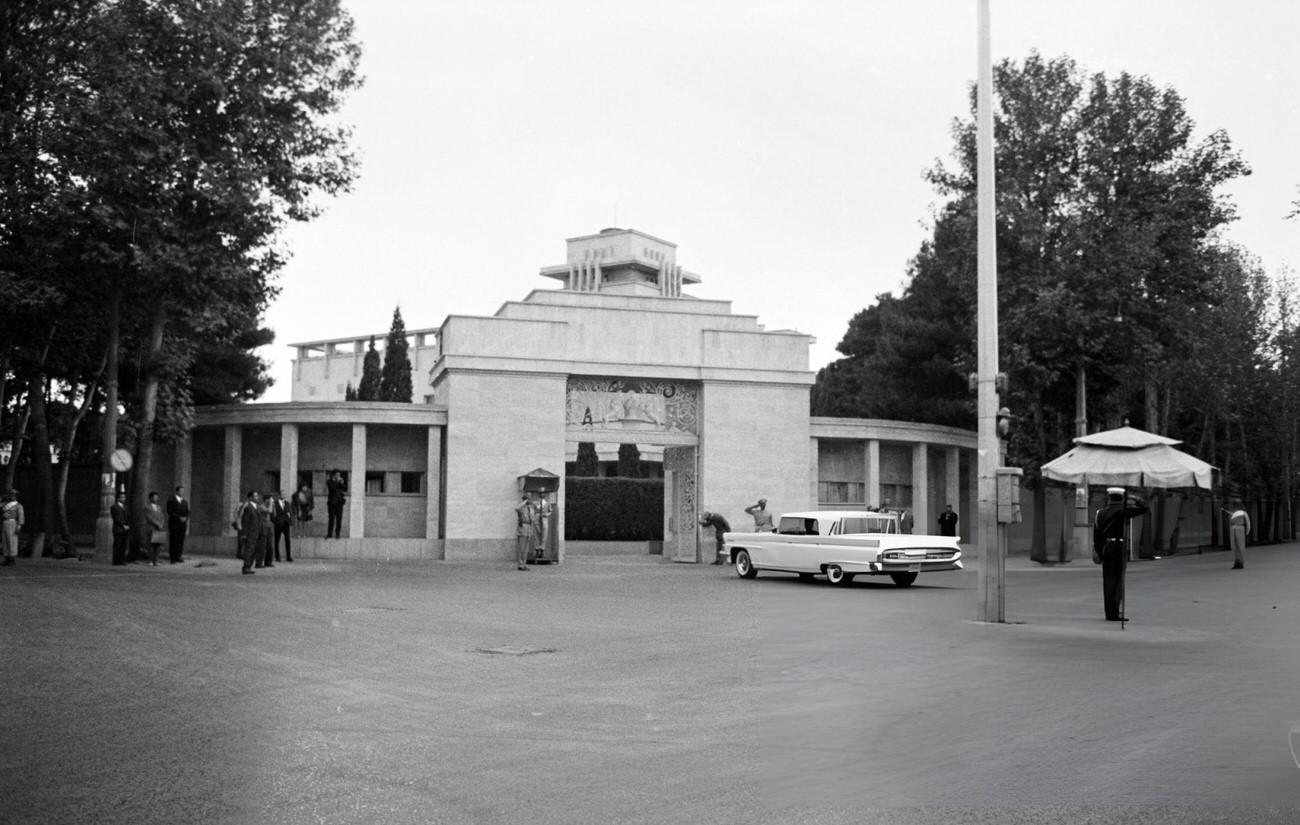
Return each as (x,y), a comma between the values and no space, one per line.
(336,493)
(249,531)
(280,522)
(948,522)
(121,528)
(178,524)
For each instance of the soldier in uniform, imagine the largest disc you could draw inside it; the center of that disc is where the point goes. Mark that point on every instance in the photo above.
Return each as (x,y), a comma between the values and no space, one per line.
(1108,541)
(529,535)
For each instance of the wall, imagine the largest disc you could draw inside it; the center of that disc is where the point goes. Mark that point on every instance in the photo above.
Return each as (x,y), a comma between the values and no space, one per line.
(754,443)
(499,427)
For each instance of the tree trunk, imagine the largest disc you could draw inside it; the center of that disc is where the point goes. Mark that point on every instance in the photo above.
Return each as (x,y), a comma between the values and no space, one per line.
(108,436)
(16,445)
(65,454)
(148,415)
(41,453)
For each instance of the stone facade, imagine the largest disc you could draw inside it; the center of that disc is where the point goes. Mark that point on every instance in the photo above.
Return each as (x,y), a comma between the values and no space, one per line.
(618,354)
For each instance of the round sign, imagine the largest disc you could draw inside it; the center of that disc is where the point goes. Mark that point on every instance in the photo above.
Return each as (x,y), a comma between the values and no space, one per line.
(120,460)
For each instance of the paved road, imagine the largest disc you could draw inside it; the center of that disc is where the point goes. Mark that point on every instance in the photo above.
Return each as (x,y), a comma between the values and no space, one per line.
(630,690)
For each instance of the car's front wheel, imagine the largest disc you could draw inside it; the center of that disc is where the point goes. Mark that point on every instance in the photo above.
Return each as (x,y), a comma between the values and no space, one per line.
(744,566)
(903,579)
(836,575)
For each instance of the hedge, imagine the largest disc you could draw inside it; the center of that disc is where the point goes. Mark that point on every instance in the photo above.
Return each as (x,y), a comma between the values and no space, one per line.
(613,509)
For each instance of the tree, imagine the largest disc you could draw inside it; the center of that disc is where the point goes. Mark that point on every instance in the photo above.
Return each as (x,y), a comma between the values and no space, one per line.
(350,394)
(395,383)
(368,389)
(151,151)
(588,462)
(1107,209)
(629,461)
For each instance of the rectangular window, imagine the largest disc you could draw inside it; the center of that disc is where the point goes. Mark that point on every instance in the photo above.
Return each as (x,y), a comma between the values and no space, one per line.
(841,492)
(270,481)
(413,483)
(374,482)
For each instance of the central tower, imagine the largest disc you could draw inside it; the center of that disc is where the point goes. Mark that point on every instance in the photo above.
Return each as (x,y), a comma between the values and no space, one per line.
(622,262)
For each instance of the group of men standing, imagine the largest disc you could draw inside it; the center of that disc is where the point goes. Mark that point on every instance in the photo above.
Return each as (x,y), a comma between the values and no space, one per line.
(261,524)
(177,527)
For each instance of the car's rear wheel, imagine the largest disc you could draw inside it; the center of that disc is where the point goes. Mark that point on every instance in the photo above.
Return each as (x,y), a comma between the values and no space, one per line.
(903,579)
(836,575)
(745,566)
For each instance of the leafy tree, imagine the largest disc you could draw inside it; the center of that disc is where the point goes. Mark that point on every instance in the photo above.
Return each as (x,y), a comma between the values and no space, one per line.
(1106,209)
(395,383)
(150,153)
(368,389)
(350,394)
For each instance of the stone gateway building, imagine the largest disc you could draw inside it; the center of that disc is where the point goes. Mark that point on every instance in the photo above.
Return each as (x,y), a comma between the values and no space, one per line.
(619,353)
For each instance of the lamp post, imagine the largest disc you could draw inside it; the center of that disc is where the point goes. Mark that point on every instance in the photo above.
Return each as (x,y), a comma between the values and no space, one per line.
(990,593)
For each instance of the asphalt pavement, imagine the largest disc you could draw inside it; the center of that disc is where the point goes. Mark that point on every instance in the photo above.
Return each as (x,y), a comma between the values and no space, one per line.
(634,690)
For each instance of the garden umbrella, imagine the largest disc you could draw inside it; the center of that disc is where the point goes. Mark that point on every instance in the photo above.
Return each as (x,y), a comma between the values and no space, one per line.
(1129,457)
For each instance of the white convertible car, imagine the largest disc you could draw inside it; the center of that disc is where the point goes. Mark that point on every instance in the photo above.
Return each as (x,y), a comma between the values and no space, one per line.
(842,544)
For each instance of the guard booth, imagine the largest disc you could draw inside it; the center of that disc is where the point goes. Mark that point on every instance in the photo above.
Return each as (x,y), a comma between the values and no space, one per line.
(547,485)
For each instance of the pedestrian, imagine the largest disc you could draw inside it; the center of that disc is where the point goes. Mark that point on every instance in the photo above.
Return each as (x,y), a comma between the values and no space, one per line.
(248,522)
(153,516)
(281,521)
(121,527)
(265,533)
(948,522)
(529,533)
(720,526)
(1238,529)
(300,507)
(336,493)
(762,518)
(13,518)
(1108,541)
(178,524)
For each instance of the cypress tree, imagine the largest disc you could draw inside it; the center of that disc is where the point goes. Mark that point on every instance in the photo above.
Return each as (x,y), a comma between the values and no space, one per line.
(368,389)
(395,384)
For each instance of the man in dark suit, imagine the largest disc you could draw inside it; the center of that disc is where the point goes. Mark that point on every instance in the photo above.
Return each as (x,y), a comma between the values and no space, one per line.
(121,528)
(249,530)
(281,522)
(178,523)
(336,489)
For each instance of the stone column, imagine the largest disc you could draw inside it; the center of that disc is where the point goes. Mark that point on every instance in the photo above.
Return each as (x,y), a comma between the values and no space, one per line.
(921,489)
(815,474)
(433,487)
(288,459)
(357,497)
(233,471)
(952,486)
(873,472)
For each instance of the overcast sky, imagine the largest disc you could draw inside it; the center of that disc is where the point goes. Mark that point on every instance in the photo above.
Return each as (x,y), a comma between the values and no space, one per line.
(780,145)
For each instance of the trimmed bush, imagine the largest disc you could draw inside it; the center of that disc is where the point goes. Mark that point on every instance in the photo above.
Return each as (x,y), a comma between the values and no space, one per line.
(613,509)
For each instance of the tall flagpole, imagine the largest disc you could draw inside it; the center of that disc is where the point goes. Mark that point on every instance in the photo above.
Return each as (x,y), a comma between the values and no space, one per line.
(992,567)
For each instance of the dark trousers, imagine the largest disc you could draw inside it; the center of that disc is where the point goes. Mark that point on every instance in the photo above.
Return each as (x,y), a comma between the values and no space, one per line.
(283,530)
(264,549)
(335,527)
(247,550)
(1114,562)
(120,542)
(176,544)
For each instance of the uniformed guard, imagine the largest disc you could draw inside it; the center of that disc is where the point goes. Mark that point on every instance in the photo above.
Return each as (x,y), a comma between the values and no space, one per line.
(1108,541)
